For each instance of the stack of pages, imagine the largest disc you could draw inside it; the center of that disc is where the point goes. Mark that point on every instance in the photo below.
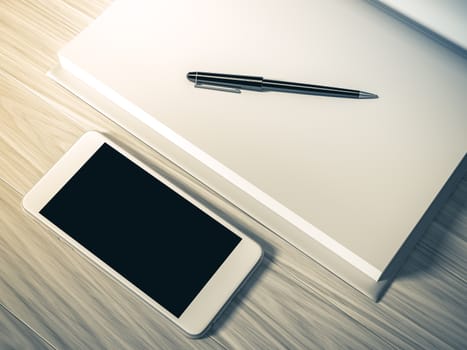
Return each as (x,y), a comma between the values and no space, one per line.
(351,183)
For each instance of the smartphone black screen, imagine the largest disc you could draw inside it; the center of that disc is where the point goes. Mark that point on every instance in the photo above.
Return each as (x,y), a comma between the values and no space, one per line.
(148,233)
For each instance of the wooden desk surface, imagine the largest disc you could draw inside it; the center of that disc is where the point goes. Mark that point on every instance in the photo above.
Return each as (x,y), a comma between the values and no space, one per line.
(53,298)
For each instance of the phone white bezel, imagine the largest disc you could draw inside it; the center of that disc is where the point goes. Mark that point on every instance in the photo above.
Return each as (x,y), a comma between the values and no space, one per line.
(198,316)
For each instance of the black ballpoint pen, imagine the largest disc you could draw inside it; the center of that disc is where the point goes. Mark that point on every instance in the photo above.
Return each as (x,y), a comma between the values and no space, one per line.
(235,83)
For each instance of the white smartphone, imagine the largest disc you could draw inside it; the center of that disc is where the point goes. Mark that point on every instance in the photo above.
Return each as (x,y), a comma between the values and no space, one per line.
(176,254)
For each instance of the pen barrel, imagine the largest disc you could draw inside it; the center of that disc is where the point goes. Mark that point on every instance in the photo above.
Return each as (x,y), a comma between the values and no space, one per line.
(299,88)
(244,82)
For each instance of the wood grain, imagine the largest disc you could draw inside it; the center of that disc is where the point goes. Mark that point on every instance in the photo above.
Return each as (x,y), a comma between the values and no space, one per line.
(14,334)
(291,302)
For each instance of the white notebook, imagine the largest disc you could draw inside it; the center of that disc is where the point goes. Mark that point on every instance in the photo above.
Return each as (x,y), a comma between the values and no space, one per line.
(346,181)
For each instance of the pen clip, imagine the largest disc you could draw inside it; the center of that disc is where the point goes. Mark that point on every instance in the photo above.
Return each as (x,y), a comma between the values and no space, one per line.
(215,87)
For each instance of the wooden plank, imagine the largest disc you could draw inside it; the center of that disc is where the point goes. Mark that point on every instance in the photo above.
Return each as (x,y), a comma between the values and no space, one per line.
(14,334)
(91,8)
(291,303)
(33,136)
(33,21)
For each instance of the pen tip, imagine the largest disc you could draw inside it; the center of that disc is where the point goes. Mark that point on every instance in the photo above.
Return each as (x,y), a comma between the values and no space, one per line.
(363,94)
